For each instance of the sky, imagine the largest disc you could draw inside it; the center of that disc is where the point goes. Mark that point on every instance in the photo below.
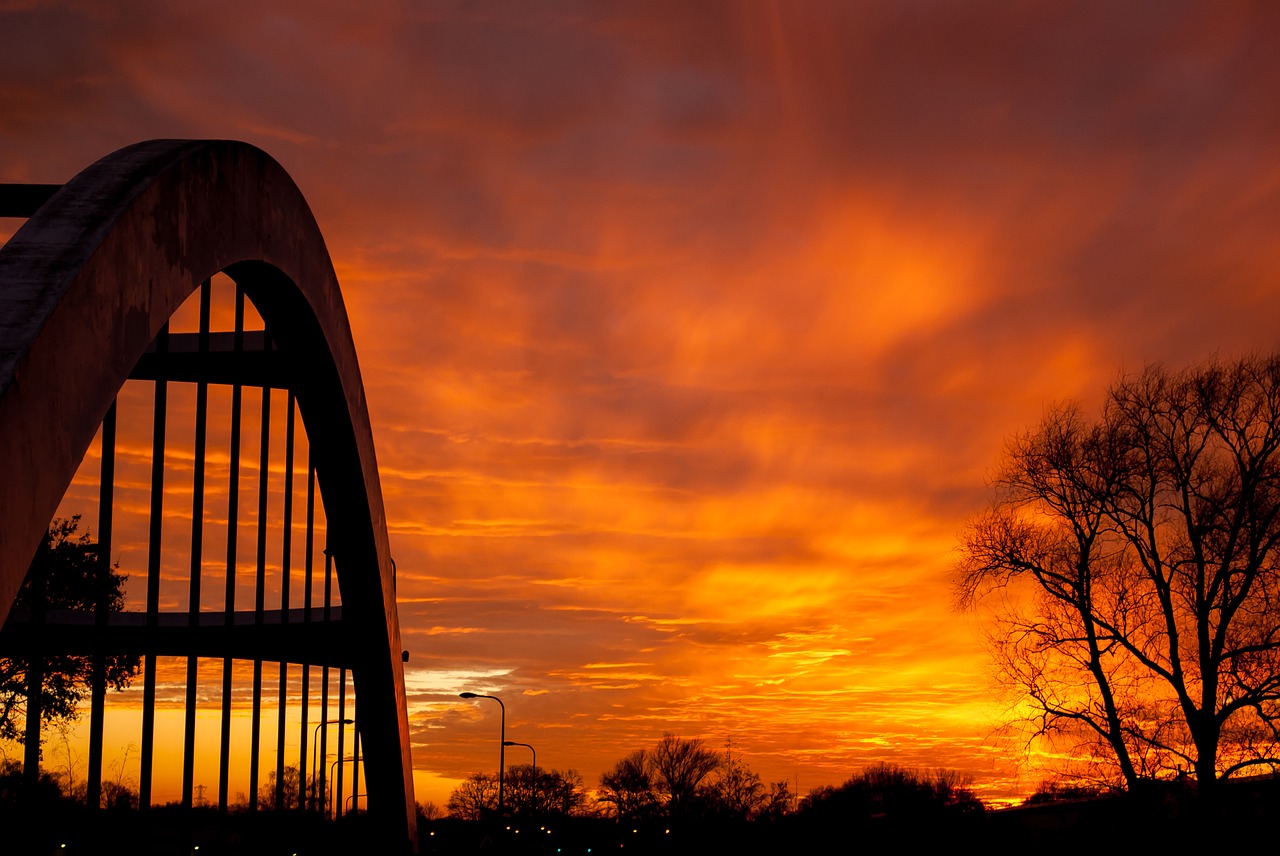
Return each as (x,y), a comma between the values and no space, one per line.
(692,332)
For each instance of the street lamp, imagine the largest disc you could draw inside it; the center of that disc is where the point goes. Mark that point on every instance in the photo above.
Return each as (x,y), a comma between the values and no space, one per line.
(502,748)
(350,759)
(533,788)
(315,745)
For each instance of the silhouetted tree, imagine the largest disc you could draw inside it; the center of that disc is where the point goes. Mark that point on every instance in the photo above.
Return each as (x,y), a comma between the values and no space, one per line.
(120,792)
(670,778)
(117,796)
(290,792)
(15,790)
(678,767)
(1149,634)
(629,788)
(544,792)
(67,573)
(737,790)
(1051,791)
(476,797)
(890,791)
(780,800)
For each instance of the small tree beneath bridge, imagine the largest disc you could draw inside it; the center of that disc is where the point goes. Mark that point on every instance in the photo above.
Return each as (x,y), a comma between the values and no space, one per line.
(37,689)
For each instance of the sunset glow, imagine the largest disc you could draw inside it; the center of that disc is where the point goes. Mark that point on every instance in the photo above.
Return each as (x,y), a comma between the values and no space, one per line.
(691,331)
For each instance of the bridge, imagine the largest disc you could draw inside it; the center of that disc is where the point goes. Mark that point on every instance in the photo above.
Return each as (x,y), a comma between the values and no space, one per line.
(175,352)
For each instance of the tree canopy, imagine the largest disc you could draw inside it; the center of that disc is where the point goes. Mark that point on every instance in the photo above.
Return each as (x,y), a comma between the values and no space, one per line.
(887,790)
(681,778)
(678,768)
(527,793)
(628,787)
(1136,559)
(67,573)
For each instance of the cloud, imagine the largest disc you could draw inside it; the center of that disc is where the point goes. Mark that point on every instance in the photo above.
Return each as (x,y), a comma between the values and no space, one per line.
(690,333)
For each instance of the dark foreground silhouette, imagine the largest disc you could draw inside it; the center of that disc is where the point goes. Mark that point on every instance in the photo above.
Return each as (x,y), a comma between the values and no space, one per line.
(46,822)
(1160,817)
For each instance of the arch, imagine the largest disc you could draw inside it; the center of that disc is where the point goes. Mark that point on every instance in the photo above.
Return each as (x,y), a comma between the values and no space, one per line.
(88,282)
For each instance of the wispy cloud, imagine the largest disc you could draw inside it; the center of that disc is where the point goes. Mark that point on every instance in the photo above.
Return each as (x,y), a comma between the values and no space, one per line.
(690,332)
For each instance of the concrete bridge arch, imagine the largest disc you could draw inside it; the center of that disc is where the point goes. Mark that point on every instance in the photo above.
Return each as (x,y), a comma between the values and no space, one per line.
(87,287)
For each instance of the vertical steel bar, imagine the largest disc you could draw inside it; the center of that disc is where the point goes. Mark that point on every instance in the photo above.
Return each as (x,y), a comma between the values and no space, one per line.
(286,568)
(286,559)
(264,467)
(283,676)
(229,604)
(153,568)
(260,595)
(197,552)
(342,734)
(303,785)
(306,617)
(355,764)
(255,735)
(97,699)
(328,580)
(311,531)
(324,682)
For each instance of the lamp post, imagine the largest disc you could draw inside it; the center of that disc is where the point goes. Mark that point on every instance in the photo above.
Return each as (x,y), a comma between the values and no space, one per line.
(329,812)
(502,747)
(315,745)
(533,788)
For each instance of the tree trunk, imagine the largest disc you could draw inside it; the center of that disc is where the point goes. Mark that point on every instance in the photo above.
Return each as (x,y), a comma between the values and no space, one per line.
(31,755)
(1207,782)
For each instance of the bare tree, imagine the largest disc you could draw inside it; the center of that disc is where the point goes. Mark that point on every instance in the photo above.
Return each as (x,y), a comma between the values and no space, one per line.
(1138,560)
(543,791)
(476,797)
(737,789)
(528,793)
(120,792)
(669,779)
(779,801)
(70,763)
(678,768)
(292,787)
(628,787)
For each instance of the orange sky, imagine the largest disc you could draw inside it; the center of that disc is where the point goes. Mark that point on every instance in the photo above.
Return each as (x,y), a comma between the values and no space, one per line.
(690,331)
